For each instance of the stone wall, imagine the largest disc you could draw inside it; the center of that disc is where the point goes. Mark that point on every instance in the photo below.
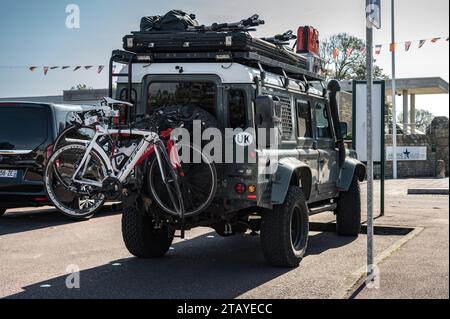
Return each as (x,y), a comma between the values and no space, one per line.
(410,169)
(439,137)
(345,101)
(437,143)
(436,140)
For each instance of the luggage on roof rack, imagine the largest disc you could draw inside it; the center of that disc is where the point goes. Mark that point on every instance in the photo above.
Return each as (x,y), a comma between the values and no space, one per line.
(196,42)
(177,36)
(174,20)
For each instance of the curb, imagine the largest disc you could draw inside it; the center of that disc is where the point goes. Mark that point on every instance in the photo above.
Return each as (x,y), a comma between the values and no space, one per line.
(356,279)
(428,191)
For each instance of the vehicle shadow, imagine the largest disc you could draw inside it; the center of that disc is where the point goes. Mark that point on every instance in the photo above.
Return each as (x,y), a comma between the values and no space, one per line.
(200,268)
(14,223)
(206,267)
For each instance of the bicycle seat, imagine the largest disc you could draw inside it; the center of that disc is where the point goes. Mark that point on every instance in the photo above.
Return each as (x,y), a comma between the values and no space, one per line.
(110,101)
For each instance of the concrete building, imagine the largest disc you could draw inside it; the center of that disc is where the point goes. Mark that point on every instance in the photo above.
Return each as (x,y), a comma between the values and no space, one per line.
(409,89)
(435,140)
(68,97)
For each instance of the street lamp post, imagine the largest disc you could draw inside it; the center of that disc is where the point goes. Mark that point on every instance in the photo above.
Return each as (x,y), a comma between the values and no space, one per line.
(394,90)
(373,15)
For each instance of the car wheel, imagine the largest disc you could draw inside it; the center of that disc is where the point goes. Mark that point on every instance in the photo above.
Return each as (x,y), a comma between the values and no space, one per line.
(348,212)
(285,230)
(141,237)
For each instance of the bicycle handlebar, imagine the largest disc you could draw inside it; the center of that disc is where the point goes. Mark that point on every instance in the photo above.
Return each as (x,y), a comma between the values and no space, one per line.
(242,25)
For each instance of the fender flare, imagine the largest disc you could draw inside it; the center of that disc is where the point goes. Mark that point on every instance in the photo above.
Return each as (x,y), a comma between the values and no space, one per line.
(290,171)
(352,167)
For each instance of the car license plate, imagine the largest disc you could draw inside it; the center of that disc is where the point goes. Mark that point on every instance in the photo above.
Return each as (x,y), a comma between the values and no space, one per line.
(5,173)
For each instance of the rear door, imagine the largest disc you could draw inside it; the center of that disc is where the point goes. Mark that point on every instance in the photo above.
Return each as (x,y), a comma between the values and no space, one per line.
(305,129)
(328,154)
(25,134)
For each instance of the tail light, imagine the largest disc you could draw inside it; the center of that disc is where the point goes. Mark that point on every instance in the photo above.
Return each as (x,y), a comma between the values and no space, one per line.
(48,152)
(240,188)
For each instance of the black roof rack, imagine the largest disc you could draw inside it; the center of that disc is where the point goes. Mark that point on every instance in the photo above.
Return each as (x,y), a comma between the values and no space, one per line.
(251,59)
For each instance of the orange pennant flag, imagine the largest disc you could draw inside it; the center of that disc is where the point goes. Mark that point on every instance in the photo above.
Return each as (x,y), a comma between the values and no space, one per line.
(393,47)
(335,53)
(33,68)
(46,68)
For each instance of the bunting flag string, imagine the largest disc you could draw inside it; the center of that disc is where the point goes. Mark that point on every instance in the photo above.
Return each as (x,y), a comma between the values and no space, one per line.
(336,53)
(46,69)
(392,46)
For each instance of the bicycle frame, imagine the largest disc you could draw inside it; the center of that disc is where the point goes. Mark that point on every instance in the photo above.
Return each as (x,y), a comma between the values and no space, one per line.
(145,148)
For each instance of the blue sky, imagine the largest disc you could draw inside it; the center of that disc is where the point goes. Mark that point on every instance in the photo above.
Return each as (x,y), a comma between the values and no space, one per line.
(34,33)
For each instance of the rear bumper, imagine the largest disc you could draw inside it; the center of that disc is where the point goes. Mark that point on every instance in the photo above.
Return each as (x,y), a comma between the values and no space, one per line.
(18,200)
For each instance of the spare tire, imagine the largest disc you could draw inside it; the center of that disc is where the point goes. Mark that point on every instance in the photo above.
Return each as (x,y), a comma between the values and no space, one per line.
(177,115)
(173,117)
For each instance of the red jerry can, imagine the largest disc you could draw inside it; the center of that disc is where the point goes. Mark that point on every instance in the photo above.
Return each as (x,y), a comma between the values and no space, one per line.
(308,40)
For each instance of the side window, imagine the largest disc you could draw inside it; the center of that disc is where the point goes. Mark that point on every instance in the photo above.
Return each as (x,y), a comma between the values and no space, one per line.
(304,119)
(237,107)
(322,122)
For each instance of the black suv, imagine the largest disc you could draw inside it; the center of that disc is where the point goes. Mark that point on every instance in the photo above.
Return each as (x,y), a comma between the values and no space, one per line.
(27,134)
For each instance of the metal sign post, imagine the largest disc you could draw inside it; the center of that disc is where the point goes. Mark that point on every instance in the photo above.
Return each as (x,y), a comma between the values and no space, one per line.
(373,16)
(378,128)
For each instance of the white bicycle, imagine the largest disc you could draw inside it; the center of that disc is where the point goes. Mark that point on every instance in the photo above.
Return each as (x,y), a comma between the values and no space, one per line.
(80,177)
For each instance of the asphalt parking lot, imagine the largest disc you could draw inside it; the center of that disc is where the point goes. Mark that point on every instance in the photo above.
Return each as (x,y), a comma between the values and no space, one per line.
(38,245)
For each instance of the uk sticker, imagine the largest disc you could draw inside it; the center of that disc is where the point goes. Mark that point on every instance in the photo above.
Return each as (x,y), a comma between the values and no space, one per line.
(244,139)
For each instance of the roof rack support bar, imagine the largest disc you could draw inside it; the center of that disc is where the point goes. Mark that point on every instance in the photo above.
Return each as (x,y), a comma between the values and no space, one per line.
(286,78)
(263,73)
(111,75)
(130,87)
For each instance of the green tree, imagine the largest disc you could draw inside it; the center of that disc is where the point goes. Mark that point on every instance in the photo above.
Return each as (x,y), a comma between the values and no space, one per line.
(81,87)
(350,62)
(423,119)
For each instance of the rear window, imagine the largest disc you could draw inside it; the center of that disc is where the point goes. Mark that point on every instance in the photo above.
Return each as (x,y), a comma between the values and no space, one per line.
(23,128)
(201,94)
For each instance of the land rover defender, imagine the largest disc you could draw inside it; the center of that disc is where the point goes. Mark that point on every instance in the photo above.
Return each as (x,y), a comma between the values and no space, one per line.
(224,77)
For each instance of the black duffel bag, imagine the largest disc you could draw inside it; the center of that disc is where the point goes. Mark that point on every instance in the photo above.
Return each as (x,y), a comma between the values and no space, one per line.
(150,23)
(174,20)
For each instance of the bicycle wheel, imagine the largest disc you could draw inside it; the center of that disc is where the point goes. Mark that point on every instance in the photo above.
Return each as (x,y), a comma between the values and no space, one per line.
(78,201)
(74,134)
(197,183)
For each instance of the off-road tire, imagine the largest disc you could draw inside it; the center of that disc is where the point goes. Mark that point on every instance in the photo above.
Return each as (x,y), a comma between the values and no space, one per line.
(2,211)
(140,236)
(348,212)
(276,233)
